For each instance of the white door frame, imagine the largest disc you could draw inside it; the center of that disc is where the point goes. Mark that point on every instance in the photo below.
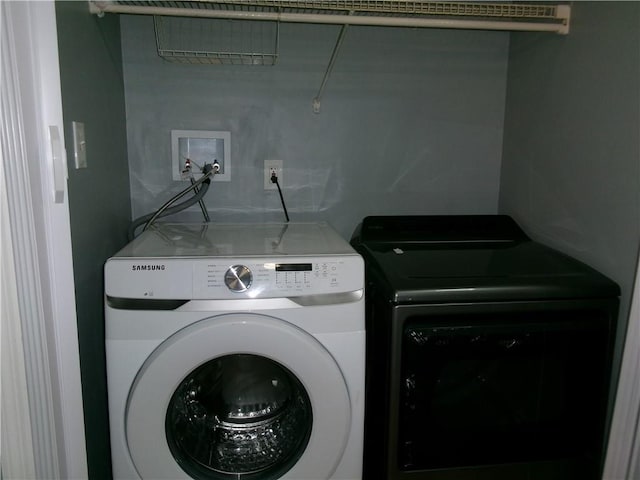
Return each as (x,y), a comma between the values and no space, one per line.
(623,454)
(39,314)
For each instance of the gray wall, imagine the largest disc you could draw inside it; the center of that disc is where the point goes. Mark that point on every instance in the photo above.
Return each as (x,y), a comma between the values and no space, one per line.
(411,122)
(571,160)
(99,198)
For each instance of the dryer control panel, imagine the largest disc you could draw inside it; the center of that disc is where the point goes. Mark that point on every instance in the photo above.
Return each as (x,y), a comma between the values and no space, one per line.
(228,278)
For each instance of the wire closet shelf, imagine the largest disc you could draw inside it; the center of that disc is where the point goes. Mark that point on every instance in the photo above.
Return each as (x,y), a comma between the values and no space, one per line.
(247,31)
(215,41)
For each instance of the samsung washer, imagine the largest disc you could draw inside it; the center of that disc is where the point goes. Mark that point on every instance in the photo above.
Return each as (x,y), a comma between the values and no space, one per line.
(236,352)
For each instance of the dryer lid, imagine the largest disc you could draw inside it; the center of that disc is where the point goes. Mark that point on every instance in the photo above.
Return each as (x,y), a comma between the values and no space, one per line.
(469,258)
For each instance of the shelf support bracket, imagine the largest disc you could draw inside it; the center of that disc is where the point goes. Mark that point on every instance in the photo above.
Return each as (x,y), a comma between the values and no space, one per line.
(334,55)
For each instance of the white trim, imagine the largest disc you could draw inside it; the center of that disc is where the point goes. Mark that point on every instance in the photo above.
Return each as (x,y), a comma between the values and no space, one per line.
(18,458)
(28,293)
(624,439)
(40,231)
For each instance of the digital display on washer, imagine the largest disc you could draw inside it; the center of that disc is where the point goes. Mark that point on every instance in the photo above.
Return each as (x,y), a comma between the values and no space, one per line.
(293,267)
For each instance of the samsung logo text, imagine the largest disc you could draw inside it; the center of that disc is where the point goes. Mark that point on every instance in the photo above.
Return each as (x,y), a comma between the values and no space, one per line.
(147,268)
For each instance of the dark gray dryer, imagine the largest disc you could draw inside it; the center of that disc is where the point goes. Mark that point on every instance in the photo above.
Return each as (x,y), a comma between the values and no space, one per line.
(488,354)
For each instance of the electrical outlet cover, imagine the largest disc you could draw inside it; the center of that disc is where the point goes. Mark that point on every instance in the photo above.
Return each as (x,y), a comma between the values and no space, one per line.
(269,166)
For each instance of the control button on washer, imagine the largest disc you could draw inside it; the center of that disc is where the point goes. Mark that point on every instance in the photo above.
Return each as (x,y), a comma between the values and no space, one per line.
(238,278)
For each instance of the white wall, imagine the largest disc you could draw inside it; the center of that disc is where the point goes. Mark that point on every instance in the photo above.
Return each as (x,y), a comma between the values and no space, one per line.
(411,122)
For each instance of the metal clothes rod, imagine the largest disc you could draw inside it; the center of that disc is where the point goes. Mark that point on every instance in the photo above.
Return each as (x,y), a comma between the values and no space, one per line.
(560,28)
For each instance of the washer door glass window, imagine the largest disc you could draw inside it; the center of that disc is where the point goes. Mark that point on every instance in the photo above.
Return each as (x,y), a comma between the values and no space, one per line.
(238,416)
(223,398)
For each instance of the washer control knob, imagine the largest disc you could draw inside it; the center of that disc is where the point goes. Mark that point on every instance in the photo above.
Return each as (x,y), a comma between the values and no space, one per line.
(238,278)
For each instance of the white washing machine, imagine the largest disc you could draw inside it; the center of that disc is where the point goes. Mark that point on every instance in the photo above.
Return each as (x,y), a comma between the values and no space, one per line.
(236,352)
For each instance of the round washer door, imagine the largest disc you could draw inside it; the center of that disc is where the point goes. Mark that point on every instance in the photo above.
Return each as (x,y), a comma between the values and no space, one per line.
(238,396)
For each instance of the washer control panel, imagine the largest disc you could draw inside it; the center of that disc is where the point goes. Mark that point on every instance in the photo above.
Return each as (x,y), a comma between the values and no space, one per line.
(275,279)
(224,278)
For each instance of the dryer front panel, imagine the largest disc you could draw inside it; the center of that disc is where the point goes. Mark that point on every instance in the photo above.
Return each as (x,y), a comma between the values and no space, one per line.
(238,396)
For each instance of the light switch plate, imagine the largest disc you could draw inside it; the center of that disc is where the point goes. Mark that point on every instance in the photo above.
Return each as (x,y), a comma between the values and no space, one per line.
(79,145)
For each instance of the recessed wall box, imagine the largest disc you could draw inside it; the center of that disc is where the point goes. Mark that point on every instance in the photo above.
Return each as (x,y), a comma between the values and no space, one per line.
(198,147)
